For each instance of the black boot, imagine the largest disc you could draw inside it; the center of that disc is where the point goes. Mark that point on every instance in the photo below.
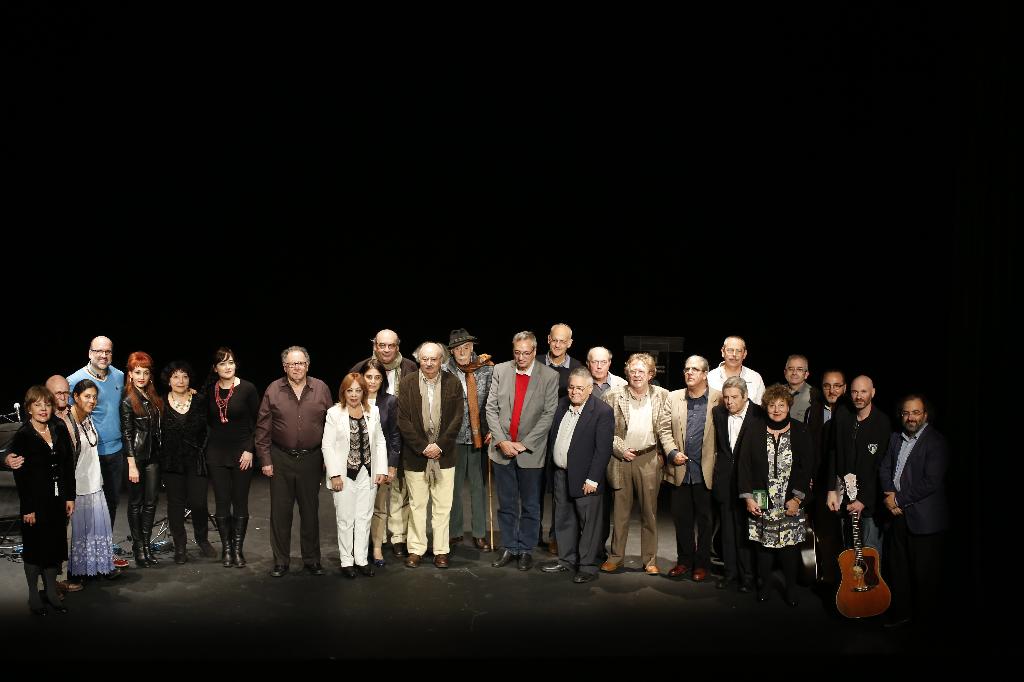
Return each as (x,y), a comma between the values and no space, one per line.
(135,527)
(180,556)
(201,530)
(148,515)
(241,522)
(227,552)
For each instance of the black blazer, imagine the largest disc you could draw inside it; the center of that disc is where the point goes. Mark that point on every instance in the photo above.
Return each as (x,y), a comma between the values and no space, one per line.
(591,444)
(725,477)
(387,405)
(753,460)
(922,495)
(42,469)
(859,455)
(140,433)
(410,421)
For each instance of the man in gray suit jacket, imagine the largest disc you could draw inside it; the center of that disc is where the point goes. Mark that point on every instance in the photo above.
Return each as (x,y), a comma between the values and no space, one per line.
(520,407)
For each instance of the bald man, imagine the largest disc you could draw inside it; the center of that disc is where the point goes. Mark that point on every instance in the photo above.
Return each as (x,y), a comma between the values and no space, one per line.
(391,505)
(734,352)
(106,418)
(860,438)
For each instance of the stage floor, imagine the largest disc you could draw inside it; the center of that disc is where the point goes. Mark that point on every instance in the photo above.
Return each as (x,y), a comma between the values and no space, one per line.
(202,610)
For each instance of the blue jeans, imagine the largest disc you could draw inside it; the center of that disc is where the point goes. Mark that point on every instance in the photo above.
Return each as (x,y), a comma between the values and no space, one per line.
(112,468)
(519,493)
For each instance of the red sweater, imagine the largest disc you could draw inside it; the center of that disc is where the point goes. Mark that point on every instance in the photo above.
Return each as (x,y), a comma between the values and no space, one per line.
(522,380)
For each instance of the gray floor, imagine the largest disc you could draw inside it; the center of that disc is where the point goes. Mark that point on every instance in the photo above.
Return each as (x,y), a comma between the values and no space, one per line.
(202,610)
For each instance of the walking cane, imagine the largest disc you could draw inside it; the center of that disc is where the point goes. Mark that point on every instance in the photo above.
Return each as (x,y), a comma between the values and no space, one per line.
(490,513)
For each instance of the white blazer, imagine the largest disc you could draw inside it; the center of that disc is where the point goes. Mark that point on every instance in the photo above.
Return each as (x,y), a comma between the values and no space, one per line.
(335,443)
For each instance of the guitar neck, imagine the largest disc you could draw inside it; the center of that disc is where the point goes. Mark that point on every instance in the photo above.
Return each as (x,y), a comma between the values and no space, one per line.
(857,545)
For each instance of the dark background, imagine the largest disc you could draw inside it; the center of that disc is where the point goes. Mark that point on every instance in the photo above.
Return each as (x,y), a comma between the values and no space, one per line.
(827,180)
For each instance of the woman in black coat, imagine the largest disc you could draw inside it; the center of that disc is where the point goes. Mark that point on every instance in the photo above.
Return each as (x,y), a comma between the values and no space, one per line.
(183,461)
(776,463)
(141,410)
(46,490)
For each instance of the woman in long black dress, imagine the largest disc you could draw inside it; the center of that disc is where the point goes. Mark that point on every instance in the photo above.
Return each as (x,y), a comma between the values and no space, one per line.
(141,410)
(46,491)
(232,407)
(184,463)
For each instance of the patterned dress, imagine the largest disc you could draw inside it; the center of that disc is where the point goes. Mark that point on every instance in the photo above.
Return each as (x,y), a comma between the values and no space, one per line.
(774,529)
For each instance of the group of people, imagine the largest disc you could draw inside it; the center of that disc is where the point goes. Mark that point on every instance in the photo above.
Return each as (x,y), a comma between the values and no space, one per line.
(402,436)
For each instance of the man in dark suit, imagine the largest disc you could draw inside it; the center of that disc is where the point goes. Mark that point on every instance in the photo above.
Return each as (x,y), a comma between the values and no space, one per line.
(580,443)
(733,417)
(913,477)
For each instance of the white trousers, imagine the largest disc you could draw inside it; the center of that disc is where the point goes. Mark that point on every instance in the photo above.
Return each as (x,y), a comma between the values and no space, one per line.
(353,509)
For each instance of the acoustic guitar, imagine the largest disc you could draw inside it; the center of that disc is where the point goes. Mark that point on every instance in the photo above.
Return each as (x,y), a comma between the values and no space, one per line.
(862,592)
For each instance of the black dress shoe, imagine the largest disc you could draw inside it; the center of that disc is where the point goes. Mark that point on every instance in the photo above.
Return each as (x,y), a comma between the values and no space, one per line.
(525,561)
(279,571)
(314,569)
(503,558)
(723,583)
(399,549)
(553,567)
(763,596)
(746,587)
(41,611)
(582,577)
(348,571)
(368,570)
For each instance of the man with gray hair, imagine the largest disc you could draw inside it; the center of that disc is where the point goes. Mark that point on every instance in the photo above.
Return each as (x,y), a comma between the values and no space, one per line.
(738,423)
(520,407)
(430,414)
(599,362)
(289,433)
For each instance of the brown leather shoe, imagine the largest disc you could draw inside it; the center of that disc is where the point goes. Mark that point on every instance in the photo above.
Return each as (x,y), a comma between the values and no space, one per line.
(699,575)
(679,570)
(552,547)
(413,561)
(441,560)
(652,570)
(609,567)
(482,544)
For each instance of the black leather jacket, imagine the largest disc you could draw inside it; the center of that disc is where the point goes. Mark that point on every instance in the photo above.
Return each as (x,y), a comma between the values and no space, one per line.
(141,434)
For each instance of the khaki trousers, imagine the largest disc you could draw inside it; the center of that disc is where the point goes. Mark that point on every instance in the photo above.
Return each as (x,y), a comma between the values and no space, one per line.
(440,496)
(642,478)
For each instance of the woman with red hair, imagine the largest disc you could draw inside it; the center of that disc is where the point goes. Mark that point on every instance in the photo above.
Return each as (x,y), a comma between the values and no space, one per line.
(140,427)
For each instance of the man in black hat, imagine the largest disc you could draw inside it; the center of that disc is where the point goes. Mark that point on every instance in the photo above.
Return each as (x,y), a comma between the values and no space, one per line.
(474,372)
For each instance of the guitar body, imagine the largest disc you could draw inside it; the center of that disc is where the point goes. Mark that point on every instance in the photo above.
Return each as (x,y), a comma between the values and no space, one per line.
(862,592)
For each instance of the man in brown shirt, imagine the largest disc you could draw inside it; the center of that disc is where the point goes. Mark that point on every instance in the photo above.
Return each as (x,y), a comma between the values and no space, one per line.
(289,432)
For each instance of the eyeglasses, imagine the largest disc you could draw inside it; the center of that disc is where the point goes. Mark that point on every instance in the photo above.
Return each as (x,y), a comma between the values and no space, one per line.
(599,363)
(914,413)
(832,386)
(735,351)
(295,364)
(796,369)
(523,353)
(387,346)
(692,369)
(577,389)
(101,352)
(62,393)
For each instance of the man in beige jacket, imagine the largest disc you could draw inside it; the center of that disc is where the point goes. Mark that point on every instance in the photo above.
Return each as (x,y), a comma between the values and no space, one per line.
(643,432)
(690,471)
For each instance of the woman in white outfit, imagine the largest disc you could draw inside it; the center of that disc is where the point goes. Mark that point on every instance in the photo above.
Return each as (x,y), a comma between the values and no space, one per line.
(356,458)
